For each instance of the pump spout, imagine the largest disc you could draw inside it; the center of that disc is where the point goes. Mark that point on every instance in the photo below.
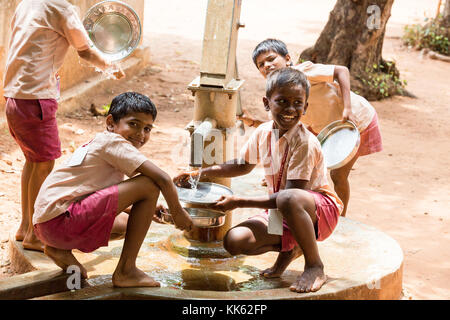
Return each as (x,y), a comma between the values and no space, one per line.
(198,138)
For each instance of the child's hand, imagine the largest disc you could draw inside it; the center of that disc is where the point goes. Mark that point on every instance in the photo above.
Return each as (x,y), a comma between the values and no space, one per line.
(348,115)
(226,203)
(182,180)
(114,70)
(181,219)
(118,73)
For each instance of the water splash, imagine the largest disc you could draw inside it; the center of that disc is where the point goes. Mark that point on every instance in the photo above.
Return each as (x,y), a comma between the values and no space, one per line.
(109,72)
(193,181)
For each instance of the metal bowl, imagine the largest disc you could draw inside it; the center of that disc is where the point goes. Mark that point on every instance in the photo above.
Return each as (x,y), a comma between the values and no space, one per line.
(114,28)
(207,193)
(203,218)
(340,142)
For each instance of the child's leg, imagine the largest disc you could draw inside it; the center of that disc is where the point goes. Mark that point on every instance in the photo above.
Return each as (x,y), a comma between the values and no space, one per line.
(142,193)
(40,171)
(251,238)
(341,184)
(298,208)
(119,227)
(64,259)
(25,179)
(284,259)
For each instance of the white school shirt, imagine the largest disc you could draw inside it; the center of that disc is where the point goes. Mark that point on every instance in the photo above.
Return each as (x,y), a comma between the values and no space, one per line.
(108,158)
(325,103)
(42,31)
(304,160)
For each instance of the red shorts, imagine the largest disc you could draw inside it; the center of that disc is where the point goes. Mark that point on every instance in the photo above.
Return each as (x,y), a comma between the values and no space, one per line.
(370,139)
(86,225)
(327,218)
(32,124)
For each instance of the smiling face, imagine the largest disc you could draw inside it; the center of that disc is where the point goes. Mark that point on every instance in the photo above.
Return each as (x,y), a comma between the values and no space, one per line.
(286,104)
(269,61)
(134,127)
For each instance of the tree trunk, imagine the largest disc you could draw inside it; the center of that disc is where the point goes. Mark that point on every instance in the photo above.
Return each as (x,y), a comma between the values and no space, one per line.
(446,15)
(353,37)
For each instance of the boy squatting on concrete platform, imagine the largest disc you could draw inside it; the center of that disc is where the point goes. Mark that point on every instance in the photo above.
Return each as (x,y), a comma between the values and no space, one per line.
(81,203)
(41,33)
(297,185)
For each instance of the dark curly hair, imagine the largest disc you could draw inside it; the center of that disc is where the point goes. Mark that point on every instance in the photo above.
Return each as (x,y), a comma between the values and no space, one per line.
(131,102)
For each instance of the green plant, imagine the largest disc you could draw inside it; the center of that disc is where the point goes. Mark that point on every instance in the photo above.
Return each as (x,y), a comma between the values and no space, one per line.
(106,107)
(383,79)
(432,35)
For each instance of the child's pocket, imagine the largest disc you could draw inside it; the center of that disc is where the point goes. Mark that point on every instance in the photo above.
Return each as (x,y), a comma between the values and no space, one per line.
(48,109)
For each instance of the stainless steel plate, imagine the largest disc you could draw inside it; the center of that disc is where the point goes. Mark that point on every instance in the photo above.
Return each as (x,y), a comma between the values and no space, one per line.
(340,142)
(114,28)
(203,218)
(205,194)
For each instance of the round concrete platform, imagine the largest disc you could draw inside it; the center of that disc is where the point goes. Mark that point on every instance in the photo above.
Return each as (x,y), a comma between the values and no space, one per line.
(360,261)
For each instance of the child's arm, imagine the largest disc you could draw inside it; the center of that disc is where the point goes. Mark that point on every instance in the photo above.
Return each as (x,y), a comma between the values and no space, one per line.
(165,184)
(226,203)
(94,58)
(229,169)
(342,76)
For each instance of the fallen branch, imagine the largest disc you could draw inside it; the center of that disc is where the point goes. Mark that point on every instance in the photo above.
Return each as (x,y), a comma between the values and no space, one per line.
(438,56)
(434,55)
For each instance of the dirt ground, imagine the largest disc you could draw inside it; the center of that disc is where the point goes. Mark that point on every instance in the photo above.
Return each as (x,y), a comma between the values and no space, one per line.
(403,191)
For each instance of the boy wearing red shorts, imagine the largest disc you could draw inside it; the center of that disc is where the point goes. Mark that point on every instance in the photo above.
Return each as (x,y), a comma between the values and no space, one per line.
(42,31)
(81,203)
(330,100)
(297,185)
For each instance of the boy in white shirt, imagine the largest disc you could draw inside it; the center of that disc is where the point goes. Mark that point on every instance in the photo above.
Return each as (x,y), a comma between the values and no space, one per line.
(297,185)
(80,203)
(330,100)
(42,31)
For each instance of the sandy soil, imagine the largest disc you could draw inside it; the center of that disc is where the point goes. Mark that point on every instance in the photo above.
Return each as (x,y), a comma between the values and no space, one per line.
(403,191)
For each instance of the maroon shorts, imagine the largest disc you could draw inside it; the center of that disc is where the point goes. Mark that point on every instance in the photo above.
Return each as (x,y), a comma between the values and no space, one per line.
(327,218)
(370,139)
(86,225)
(32,124)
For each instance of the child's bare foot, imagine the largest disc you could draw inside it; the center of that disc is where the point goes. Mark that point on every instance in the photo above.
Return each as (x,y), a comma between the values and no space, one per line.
(311,280)
(64,259)
(283,261)
(133,278)
(21,233)
(31,242)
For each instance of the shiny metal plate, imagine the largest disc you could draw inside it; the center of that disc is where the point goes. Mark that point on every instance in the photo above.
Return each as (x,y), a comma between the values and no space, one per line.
(207,193)
(114,28)
(203,218)
(340,142)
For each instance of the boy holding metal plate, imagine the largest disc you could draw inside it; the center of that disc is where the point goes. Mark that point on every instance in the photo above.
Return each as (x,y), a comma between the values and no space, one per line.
(297,181)
(330,100)
(42,32)
(80,205)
